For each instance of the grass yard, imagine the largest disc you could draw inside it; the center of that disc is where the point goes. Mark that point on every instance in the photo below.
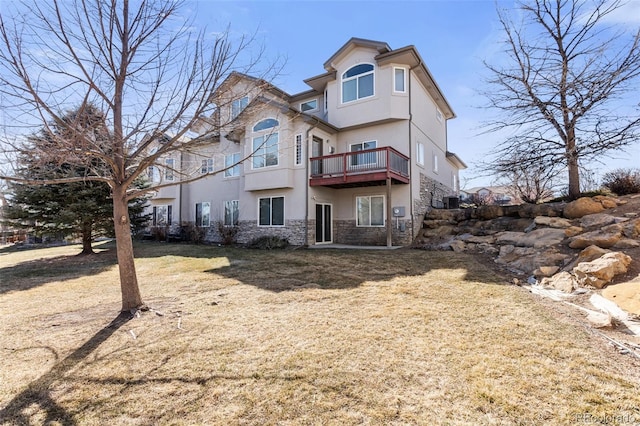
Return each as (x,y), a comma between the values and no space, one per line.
(295,337)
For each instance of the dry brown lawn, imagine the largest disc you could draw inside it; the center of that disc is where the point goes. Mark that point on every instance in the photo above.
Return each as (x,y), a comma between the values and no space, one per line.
(295,337)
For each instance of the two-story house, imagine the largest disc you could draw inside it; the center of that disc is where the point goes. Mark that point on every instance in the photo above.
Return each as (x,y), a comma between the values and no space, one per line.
(356,159)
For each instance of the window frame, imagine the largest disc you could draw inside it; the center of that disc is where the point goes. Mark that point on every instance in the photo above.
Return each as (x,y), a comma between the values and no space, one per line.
(404,80)
(419,153)
(271,215)
(206,166)
(199,221)
(435,162)
(355,160)
(265,147)
(369,225)
(233,206)
(167,215)
(314,109)
(357,79)
(232,169)
(169,167)
(238,105)
(298,150)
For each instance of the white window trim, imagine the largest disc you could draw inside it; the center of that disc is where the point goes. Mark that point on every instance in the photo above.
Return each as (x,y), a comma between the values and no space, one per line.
(240,108)
(420,153)
(169,171)
(404,80)
(206,166)
(384,211)
(435,162)
(224,208)
(202,203)
(230,170)
(298,150)
(317,108)
(265,133)
(284,211)
(355,77)
(352,166)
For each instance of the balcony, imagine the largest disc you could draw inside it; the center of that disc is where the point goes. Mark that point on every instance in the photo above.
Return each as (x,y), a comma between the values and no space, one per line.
(360,168)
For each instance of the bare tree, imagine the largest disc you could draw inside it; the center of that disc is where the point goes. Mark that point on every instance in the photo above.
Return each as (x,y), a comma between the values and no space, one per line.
(566,67)
(143,64)
(531,183)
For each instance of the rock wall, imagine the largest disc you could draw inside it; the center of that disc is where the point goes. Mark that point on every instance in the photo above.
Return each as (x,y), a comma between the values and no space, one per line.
(541,240)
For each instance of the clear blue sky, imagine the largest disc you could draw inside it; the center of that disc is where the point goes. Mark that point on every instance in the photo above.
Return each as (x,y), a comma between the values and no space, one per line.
(452,36)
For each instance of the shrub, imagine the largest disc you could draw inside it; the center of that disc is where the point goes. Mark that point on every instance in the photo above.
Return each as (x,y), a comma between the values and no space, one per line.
(268,242)
(192,233)
(622,181)
(228,234)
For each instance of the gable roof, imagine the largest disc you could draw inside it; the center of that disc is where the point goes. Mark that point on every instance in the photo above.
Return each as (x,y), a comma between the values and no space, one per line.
(354,42)
(405,55)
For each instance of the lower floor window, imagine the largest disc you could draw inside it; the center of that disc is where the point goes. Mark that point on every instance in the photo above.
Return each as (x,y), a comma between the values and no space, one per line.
(370,210)
(161,215)
(271,211)
(231,213)
(203,215)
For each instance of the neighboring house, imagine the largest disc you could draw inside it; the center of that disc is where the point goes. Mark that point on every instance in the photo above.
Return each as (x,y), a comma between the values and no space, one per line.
(500,195)
(357,159)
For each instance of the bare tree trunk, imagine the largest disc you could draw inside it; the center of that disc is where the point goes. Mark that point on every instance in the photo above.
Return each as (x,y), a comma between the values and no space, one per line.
(87,227)
(572,166)
(131,298)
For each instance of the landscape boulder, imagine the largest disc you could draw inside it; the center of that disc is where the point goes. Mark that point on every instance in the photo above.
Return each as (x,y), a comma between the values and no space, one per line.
(601,271)
(582,207)
(538,238)
(562,281)
(605,238)
(597,220)
(552,222)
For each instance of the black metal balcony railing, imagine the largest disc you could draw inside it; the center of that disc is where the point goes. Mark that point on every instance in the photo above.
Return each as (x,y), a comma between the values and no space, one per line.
(370,165)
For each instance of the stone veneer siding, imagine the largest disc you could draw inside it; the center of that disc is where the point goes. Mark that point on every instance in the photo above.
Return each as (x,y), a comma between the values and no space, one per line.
(293,231)
(346,232)
(431,194)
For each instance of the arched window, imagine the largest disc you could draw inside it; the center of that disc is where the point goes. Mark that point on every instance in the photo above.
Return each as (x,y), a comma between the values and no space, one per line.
(266,146)
(266,124)
(357,83)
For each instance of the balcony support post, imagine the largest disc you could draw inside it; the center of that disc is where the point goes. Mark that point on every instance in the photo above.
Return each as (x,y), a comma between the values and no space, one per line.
(389,215)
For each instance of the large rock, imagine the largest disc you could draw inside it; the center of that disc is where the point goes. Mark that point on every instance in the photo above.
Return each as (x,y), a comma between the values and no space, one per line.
(600,272)
(538,238)
(562,281)
(582,207)
(489,212)
(597,220)
(626,295)
(528,259)
(547,209)
(631,229)
(552,222)
(606,237)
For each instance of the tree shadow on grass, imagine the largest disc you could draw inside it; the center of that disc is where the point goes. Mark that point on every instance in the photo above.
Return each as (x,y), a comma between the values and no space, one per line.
(37,272)
(279,271)
(38,392)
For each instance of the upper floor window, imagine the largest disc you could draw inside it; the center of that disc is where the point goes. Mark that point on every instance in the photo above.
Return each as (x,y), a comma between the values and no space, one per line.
(266,124)
(207,166)
(169,169)
(238,105)
(232,165)
(298,152)
(265,147)
(357,83)
(366,158)
(399,80)
(420,153)
(311,105)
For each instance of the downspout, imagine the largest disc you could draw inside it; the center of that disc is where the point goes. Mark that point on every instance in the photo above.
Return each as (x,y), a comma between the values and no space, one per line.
(411,158)
(306,187)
